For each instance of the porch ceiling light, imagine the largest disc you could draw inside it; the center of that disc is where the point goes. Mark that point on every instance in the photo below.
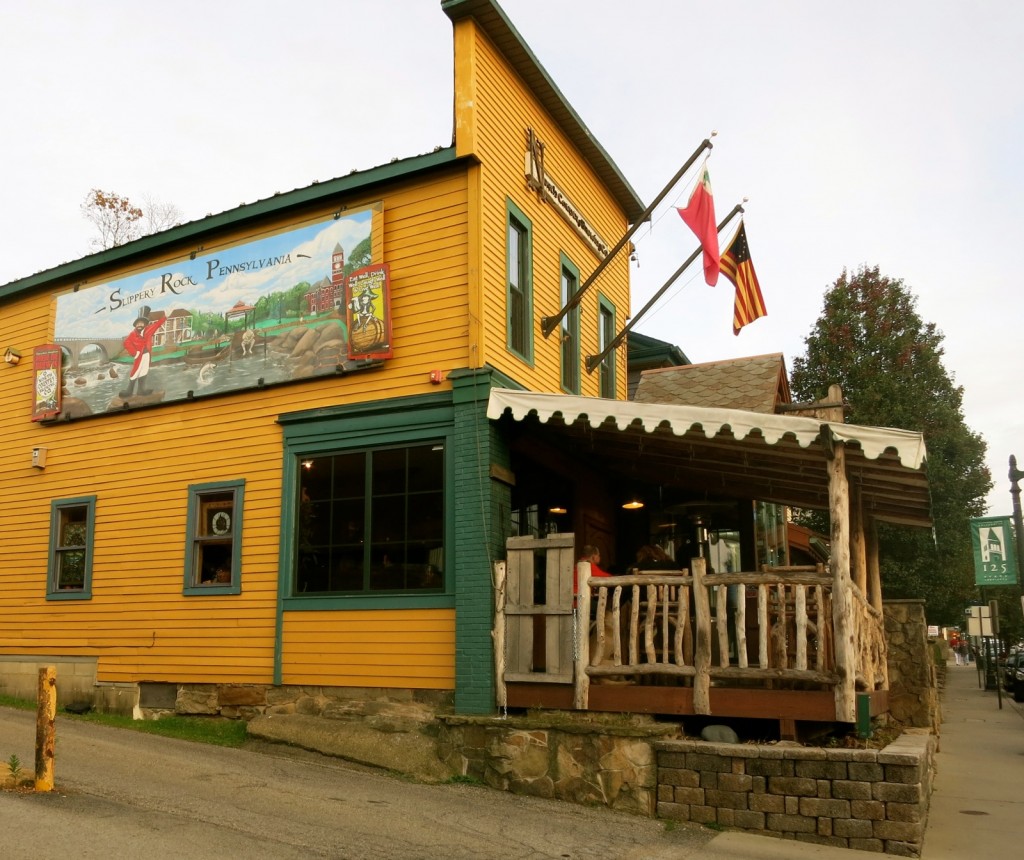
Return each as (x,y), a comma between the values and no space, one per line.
(558,509)
(634,504)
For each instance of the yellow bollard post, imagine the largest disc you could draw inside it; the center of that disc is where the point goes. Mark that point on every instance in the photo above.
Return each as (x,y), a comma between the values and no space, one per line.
(46,713)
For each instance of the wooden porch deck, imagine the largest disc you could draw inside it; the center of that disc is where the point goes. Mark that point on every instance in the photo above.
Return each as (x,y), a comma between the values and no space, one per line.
(765,645)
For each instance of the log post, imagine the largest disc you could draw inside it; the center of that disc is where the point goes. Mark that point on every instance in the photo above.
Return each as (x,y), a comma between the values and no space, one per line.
(581,693)
(46,714)
(842,589)
(702,657)
(858,549)
(874,592)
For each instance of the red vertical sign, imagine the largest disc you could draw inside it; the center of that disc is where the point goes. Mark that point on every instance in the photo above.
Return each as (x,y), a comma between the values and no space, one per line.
(47,382)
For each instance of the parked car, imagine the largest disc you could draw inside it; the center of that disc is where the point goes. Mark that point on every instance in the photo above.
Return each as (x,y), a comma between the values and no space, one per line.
(1013,676)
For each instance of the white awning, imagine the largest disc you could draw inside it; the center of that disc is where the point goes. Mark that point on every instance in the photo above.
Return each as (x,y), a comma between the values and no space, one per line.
(754,455)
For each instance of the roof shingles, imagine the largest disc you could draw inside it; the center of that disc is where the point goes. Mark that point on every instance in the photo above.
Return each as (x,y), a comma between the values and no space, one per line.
(755,383)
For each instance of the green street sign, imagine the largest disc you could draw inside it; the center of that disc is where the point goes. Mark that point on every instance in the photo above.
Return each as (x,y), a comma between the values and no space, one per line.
(995,560)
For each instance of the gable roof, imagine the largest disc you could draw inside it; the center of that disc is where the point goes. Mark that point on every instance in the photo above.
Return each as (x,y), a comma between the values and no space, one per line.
(313,195)
(493,21)
(756,384)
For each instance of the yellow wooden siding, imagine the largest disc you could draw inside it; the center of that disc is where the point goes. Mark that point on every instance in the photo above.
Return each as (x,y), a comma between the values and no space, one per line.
(140,464)
(502,109)
(401,648)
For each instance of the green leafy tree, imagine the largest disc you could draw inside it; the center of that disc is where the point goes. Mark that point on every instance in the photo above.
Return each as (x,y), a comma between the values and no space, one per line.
(871,341)
(360,258)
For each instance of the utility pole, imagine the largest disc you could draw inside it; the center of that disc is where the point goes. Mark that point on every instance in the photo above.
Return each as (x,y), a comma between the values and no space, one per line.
(1018,527)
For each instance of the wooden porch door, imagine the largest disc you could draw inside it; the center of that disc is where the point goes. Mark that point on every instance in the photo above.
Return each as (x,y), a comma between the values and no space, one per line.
(539,609)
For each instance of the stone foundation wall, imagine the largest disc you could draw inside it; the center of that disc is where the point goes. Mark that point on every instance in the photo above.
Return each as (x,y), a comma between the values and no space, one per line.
(76,677)
(390,709)
(560,756)
(874,800)
(913,684)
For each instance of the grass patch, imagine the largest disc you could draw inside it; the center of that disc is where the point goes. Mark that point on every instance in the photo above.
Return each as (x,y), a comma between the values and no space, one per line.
(204,730)
(463,779)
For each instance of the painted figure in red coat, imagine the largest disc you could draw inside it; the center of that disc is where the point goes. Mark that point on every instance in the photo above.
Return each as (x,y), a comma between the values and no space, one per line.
(139,345)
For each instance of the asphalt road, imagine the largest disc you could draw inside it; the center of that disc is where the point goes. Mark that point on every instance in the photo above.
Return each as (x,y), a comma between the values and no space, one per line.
(127,794)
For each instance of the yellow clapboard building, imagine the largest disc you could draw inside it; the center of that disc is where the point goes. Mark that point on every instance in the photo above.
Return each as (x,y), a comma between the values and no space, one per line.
(250,454)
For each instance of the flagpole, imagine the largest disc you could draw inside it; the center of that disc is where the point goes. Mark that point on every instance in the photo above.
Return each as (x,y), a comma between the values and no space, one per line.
(594,360)
(548,324)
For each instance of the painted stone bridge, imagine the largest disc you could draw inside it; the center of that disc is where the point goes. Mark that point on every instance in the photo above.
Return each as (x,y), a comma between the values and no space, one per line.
(111,347)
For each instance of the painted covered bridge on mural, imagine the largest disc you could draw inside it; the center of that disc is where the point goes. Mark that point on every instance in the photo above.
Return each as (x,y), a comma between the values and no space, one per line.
(708,636)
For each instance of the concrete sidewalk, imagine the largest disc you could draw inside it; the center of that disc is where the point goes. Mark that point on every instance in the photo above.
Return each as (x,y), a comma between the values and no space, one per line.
(977,807)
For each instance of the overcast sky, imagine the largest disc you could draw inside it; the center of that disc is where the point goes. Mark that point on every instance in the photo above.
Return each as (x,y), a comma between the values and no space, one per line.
(874,133)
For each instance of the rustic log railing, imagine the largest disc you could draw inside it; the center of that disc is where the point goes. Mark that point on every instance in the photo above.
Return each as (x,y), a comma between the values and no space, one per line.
(775,629)
(693,627)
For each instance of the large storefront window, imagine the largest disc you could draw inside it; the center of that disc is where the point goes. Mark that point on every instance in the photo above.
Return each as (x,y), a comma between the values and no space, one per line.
(371,521)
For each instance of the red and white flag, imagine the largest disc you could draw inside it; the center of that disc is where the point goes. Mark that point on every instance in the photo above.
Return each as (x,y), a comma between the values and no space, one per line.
(699,216)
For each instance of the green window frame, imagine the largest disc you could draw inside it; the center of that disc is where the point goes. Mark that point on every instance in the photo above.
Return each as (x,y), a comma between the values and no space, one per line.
(72,532)
(213,538)
(569,326)
(519,281)
(371,521)
(395,422)
(605,335)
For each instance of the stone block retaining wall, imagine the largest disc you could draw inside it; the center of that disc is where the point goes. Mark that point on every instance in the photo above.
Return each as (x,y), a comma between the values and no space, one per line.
(874,800)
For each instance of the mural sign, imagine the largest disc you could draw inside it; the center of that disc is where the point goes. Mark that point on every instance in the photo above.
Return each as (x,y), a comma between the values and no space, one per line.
(276,309)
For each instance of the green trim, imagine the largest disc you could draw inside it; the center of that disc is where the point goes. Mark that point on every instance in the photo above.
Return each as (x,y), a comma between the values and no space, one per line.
(195,491)
(56,506)
(380,423)
(481,510)
(570,324)
(515,215)
(646,351)
(604,304)
(321,193)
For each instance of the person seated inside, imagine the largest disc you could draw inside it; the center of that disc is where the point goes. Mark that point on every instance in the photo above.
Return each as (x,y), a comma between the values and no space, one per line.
(652,557)
(592,554)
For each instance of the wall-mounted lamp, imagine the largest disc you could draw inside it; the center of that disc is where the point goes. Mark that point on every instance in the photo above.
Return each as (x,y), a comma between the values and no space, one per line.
(12,356)
(634,504)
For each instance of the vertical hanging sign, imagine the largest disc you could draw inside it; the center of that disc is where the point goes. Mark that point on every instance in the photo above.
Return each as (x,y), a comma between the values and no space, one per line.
(46,382)
(368,312)
(995,561)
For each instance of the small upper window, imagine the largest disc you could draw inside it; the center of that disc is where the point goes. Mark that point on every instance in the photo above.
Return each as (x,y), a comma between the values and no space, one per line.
(569,328)
(605,335)
(519,273)
(72,523)
(213,552)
